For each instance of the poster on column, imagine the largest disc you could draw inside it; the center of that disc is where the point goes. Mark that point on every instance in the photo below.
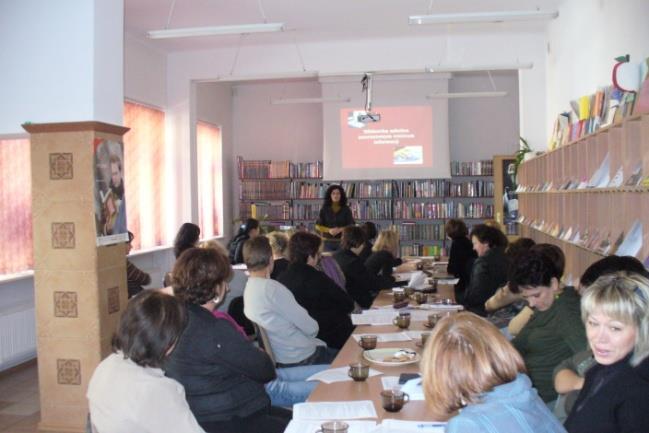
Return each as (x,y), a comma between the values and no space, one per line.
(110,200)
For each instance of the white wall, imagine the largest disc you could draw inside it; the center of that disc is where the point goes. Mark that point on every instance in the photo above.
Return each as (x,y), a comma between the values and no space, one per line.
(583,43)
(145,72)
(50,72)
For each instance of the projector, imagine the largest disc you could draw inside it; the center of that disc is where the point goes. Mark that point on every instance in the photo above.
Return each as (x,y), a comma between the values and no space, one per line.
(368,117)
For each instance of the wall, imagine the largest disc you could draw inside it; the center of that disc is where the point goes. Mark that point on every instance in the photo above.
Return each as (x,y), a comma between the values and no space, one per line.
(583,43)
(54,63)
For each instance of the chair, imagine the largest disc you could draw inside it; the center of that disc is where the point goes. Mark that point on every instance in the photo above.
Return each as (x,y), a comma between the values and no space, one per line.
(235,309)
(264,342)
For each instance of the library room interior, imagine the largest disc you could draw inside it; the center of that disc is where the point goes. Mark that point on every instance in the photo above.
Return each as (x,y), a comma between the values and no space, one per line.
(343,217)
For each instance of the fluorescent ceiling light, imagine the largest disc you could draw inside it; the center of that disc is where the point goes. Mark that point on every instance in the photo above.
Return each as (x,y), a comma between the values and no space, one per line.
(286,101)
(190,32)
(482,17)
(466,95)
(463,68)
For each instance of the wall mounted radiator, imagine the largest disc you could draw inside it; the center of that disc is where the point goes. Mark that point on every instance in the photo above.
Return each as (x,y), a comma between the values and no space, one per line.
(17,335)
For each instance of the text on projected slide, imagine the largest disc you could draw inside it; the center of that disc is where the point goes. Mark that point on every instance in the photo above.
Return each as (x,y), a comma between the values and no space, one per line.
(402,137)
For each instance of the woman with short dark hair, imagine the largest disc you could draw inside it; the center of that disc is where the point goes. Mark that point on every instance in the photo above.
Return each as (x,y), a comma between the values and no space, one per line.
(128,391)
(327,303)
(222,372)
(334,216)
(461,255)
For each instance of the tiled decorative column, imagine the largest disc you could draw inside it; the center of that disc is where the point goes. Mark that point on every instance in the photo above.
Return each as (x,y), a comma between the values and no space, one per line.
(80,288)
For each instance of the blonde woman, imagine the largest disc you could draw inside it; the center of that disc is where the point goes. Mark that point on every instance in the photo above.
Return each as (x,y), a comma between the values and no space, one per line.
(279,245)
(384,257)
(475,379)
(615,310)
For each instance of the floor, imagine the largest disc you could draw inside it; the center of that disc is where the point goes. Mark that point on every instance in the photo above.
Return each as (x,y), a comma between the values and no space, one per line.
(19,400)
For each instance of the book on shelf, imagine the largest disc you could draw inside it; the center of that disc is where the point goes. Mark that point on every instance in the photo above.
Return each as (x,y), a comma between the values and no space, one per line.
(632,243)
(472,168)
(265,190)
(267,169)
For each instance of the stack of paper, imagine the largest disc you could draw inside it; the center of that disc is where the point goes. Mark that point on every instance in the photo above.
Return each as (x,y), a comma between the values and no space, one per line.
(310,426)
(340,374)
(334,410)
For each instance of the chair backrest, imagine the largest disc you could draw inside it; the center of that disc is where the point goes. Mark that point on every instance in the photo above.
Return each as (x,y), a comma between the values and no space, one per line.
(264,342)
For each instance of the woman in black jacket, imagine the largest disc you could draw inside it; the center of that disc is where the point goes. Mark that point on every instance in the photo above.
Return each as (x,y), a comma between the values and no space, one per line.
(335,215)
(489,271)
(327,303)
(223,374)
(384,257)
(461,256)
(249,230)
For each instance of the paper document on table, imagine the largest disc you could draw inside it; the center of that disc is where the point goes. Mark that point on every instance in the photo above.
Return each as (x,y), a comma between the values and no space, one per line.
(414,389)
(334,410)
(417,280)
(390,382)
(340,374)
(301,426)
(398,426)
(374,317)
(402,276)
(449,281)
(386,337)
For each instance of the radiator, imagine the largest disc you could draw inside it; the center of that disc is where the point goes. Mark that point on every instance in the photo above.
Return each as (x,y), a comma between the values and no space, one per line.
(17,336)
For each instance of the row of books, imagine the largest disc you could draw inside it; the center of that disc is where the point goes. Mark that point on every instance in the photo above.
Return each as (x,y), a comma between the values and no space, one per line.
(423,250)
(444,210)
(472,168)
(371,209)
(428,188)
(409,232)
(267,169)
(264,211)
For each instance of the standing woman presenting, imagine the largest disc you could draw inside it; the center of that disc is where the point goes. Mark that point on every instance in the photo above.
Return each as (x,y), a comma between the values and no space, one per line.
(334,216)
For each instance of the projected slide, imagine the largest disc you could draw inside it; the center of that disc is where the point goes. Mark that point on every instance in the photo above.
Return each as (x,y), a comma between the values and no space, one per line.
(402,137)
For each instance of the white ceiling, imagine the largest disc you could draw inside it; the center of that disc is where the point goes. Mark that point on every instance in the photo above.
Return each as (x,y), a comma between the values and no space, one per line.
(314,20)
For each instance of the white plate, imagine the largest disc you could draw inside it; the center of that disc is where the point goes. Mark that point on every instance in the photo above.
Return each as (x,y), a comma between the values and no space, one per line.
(378,356)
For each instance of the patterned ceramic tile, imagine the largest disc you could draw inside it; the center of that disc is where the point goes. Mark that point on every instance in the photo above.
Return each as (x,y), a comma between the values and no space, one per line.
(61,166)
(113,300)
(65,304)
(63,235)
(68,371)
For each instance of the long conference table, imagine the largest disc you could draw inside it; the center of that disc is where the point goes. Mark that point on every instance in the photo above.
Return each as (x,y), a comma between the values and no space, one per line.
(371,388)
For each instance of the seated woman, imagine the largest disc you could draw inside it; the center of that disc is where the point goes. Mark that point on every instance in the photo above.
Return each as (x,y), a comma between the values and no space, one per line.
(128,391)
(269,304)
(360,284)
(615,310)
(384,257)
(187,237)
(369,229)
(327,303)
(489,270)
(555,331)
(461,255)
(223,373)
(249,230)
(279,244)
(472,375)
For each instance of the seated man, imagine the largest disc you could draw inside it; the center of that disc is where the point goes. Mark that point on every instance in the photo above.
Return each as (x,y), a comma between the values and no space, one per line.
(555,331)
(361,285)
(327,303)
(291,331)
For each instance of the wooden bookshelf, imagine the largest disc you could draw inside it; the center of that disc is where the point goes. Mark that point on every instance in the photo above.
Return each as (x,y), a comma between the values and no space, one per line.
(416,208)
(556,201)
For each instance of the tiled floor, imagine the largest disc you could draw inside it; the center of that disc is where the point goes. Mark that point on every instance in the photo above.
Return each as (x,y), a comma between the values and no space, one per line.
(19,401)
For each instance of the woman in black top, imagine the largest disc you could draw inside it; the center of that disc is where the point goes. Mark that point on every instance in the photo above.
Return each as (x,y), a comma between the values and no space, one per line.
(384,257)
(318,294)
(279,245)
(249,230)
(461,256)
(334,216)
(223,374)
(614,396)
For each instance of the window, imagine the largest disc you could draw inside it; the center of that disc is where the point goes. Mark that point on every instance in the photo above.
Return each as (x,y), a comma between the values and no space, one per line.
(16,254)
(210,203)
(145,161)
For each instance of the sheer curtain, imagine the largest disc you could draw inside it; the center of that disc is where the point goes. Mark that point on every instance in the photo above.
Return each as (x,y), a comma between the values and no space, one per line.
(144,171)
(210,203)
(16,254)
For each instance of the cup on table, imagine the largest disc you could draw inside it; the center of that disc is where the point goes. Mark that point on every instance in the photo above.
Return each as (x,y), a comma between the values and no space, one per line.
(408,291)
(393,400)
(399,295)
(433,319)
(424,338)
(420,298)
(368,342)
(333,427)
(359,371)
(402,320)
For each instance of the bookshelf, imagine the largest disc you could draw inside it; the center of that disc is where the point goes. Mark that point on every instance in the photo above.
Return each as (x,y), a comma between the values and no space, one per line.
(590,196)
(418,208)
